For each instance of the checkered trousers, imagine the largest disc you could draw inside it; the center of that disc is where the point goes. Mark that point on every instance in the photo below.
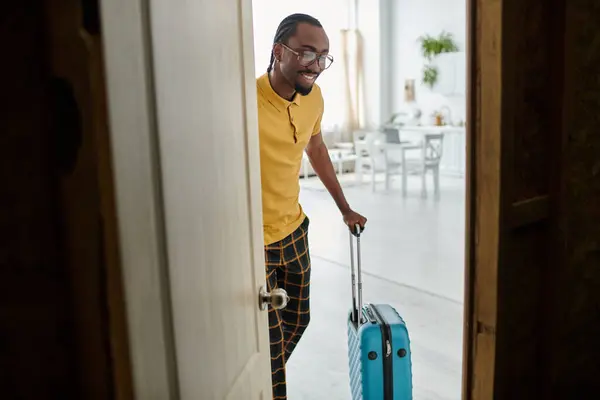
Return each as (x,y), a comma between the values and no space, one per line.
(288,267)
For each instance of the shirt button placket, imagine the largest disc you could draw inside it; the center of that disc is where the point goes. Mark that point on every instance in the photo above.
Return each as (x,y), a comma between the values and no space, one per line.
(291,116)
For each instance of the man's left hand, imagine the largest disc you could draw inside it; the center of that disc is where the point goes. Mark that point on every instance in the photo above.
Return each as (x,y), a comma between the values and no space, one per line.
(351,218)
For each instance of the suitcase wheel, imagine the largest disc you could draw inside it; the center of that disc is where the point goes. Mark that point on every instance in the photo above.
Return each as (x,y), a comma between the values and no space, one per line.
(372,355)
(402,353)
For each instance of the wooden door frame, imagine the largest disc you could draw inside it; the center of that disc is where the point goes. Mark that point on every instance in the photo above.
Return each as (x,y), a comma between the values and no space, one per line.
(470,217)
(131,105)
(483,196)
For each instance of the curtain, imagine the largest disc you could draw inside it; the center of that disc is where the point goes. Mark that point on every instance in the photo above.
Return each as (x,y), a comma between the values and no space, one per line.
(353,81)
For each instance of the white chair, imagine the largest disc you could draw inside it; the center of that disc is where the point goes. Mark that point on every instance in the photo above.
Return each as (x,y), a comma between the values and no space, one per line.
(371,154)
(431,149)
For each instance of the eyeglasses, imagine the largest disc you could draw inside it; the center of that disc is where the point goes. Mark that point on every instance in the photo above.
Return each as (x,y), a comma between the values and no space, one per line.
(307,57)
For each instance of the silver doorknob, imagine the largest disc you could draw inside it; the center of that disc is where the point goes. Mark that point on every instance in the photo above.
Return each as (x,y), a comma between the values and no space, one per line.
(277,298)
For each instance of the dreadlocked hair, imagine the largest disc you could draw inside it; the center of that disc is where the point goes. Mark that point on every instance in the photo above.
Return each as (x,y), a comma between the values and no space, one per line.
(287,29)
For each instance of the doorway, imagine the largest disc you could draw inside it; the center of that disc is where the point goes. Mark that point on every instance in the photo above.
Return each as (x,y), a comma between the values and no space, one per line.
(506,218)
(160,188)
(413,249)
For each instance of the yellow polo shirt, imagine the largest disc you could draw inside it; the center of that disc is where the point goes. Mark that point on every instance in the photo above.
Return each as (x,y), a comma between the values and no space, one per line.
(284,131)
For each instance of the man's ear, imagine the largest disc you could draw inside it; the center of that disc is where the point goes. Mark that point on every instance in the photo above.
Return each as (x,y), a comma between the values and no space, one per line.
(278,51)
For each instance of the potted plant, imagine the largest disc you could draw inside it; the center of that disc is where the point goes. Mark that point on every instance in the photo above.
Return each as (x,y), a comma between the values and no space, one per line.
(431,47)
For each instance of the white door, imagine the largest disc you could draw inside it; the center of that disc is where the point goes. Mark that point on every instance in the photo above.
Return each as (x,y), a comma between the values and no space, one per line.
(182,104)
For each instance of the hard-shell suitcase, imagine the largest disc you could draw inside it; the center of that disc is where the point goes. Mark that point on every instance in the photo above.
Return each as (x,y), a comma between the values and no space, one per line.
(378,345)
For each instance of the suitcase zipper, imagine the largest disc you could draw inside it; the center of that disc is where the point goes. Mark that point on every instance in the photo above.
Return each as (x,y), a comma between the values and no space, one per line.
(386,338)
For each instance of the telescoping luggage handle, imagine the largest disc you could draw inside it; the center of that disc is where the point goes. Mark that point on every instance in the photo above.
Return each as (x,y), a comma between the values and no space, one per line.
(356,311)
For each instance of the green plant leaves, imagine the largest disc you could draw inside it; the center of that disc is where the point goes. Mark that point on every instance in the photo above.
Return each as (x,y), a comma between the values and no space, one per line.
(430,48)
(430,75)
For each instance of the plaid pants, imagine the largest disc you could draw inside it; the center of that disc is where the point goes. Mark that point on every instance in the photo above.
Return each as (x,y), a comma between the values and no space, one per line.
(288,266)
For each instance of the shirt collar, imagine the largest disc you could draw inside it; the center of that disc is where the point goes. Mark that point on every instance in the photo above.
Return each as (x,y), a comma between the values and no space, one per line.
(276,100)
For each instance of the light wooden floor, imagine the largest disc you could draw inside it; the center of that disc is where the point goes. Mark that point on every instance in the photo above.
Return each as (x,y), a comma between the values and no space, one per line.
(413,257)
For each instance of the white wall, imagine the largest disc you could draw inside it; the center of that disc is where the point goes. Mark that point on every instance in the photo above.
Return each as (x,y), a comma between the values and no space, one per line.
(409,20)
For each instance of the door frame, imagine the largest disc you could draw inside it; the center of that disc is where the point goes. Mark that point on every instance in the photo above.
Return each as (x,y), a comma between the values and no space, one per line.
(136,168)
(483,196)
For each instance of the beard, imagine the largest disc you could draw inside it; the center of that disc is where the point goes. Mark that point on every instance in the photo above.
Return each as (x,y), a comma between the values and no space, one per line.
(303,90)
(301,86)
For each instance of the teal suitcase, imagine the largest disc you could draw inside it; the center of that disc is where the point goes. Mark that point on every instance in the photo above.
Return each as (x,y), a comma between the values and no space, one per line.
(378,345)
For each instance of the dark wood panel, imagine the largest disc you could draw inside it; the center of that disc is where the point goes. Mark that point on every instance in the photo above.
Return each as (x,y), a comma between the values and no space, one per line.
(75,53)
(523,260)
(527,137)
(62,324)
(80,200)
(530,211)
(576,295)
(37,356)
(527,126)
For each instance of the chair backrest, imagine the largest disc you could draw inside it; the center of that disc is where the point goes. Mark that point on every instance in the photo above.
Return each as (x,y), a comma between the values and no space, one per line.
(360,145)
(375,142)
(433,145)
(368,142)
(330,137)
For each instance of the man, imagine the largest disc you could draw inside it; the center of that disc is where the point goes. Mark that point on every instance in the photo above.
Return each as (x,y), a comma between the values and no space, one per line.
(290,108)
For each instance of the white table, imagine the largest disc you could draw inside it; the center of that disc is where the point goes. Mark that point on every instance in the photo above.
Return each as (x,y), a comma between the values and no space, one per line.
(338,158)
(388,148)
(453,160)
(453,157)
